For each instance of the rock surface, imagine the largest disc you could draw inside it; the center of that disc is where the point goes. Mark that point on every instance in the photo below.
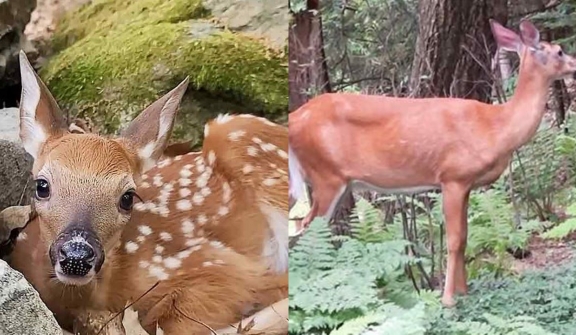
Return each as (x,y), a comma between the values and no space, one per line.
(15,177)
(115,57)
(10,124)
(268,19)
(21,310)
(44,18)
(14,15)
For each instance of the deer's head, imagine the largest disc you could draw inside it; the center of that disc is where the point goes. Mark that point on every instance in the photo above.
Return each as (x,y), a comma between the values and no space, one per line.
(546,58)
(85,183)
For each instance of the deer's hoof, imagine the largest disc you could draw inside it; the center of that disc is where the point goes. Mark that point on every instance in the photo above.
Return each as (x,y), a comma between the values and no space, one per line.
(448,301)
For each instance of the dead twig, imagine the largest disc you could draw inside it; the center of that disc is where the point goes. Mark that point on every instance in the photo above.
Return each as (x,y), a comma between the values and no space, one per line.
(126,307)
(192,319)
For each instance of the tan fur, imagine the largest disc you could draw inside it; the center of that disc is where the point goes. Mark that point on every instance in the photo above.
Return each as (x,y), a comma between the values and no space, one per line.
(202,229)
(402,144)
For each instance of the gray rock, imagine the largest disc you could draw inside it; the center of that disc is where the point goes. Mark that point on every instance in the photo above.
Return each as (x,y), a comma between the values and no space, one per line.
(15,175)
(261,18)
(10,124)
(14,15)
(22,312)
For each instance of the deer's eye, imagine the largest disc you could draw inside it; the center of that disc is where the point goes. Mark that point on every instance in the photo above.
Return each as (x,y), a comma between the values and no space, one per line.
(127,200)
(42,189)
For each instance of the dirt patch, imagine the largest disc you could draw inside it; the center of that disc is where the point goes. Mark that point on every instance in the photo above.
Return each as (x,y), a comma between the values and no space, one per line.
(546,253)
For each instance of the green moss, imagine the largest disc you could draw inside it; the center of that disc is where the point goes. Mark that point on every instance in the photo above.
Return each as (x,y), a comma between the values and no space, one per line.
(103,16)
(127,56)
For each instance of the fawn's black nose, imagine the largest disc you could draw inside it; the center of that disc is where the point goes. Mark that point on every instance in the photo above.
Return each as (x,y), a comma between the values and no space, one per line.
(76,258)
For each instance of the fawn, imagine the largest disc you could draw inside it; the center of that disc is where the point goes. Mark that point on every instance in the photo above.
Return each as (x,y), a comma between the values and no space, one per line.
(415,145)
(209,228)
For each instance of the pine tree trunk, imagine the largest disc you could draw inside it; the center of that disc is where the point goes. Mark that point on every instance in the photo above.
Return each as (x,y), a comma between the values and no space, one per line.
(454,48)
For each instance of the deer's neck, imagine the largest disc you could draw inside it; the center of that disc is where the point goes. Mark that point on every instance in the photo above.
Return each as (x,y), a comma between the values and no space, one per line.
(522,114)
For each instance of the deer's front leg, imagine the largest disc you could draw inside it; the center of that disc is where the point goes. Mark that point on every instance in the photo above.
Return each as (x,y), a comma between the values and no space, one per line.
(455,204)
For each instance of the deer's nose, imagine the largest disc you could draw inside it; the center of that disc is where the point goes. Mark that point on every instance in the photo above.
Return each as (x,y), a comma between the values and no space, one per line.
(76,258)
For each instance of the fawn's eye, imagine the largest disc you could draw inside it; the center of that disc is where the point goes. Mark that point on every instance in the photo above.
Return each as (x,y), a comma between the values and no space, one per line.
(42,189)
(127,200)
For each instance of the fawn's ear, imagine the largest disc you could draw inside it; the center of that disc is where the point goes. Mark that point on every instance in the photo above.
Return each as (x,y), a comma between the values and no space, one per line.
(530,34)
(505,38)
(40,116)
(149,132)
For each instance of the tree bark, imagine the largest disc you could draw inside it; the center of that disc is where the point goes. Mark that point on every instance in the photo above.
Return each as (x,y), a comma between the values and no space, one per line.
(307,71)
(454,48)
(308,77)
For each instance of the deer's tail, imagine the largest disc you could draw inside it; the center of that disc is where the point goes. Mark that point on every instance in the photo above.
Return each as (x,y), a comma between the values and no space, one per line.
(296,177)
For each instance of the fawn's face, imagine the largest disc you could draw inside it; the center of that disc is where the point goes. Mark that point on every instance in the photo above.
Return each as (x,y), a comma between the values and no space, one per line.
(547,58)
(85,184)
(84,194)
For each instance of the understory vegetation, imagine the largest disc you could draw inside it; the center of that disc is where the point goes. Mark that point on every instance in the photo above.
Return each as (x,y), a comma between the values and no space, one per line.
(385,277)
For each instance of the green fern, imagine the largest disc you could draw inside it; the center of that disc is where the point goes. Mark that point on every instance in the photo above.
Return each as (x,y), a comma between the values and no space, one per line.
(563,229)
(492,230)
(331,286)
(314,251)
(359,324)
(391,319)
(367,223)
(494,325)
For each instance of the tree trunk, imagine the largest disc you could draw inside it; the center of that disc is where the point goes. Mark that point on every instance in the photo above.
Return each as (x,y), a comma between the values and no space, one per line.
(455,47)
(308,77)
(307,71)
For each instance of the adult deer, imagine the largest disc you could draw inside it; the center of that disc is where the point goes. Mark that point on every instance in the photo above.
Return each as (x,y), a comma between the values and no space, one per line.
(403,145)
(210,226)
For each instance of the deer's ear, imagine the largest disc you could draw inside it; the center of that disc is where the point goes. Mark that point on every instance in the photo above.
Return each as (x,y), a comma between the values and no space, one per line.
(40,116)
(149,132)
(505,38)
(530,34)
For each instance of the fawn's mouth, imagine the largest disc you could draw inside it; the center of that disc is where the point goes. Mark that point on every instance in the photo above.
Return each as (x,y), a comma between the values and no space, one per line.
(73,279)
(76,256)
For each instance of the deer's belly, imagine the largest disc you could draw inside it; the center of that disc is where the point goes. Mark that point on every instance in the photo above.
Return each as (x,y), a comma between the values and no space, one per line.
(364,185)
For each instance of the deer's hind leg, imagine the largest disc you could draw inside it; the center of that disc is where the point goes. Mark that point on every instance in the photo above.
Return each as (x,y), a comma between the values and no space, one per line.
(215,291)
(327,191)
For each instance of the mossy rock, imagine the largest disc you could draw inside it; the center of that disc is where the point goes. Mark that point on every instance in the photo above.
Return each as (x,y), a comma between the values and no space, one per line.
(114,57)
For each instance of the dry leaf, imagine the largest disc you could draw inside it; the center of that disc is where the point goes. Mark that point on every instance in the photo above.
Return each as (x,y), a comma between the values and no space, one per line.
(132,323)
(12,218)
(272,320)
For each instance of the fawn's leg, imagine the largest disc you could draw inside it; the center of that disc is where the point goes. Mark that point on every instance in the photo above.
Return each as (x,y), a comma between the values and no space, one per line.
(215,294)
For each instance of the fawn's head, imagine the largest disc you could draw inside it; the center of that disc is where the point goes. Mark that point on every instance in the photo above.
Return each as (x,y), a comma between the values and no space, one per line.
(85,183)
(545,57)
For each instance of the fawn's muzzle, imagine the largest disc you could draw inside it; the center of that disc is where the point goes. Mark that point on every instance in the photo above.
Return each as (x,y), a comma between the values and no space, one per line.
(76,255)
(76,258)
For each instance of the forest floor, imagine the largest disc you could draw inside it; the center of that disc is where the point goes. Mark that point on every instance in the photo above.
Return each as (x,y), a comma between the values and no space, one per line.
(546,253)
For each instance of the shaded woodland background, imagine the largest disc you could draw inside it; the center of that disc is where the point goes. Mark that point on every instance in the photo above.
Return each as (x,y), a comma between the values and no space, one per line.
(520,249)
